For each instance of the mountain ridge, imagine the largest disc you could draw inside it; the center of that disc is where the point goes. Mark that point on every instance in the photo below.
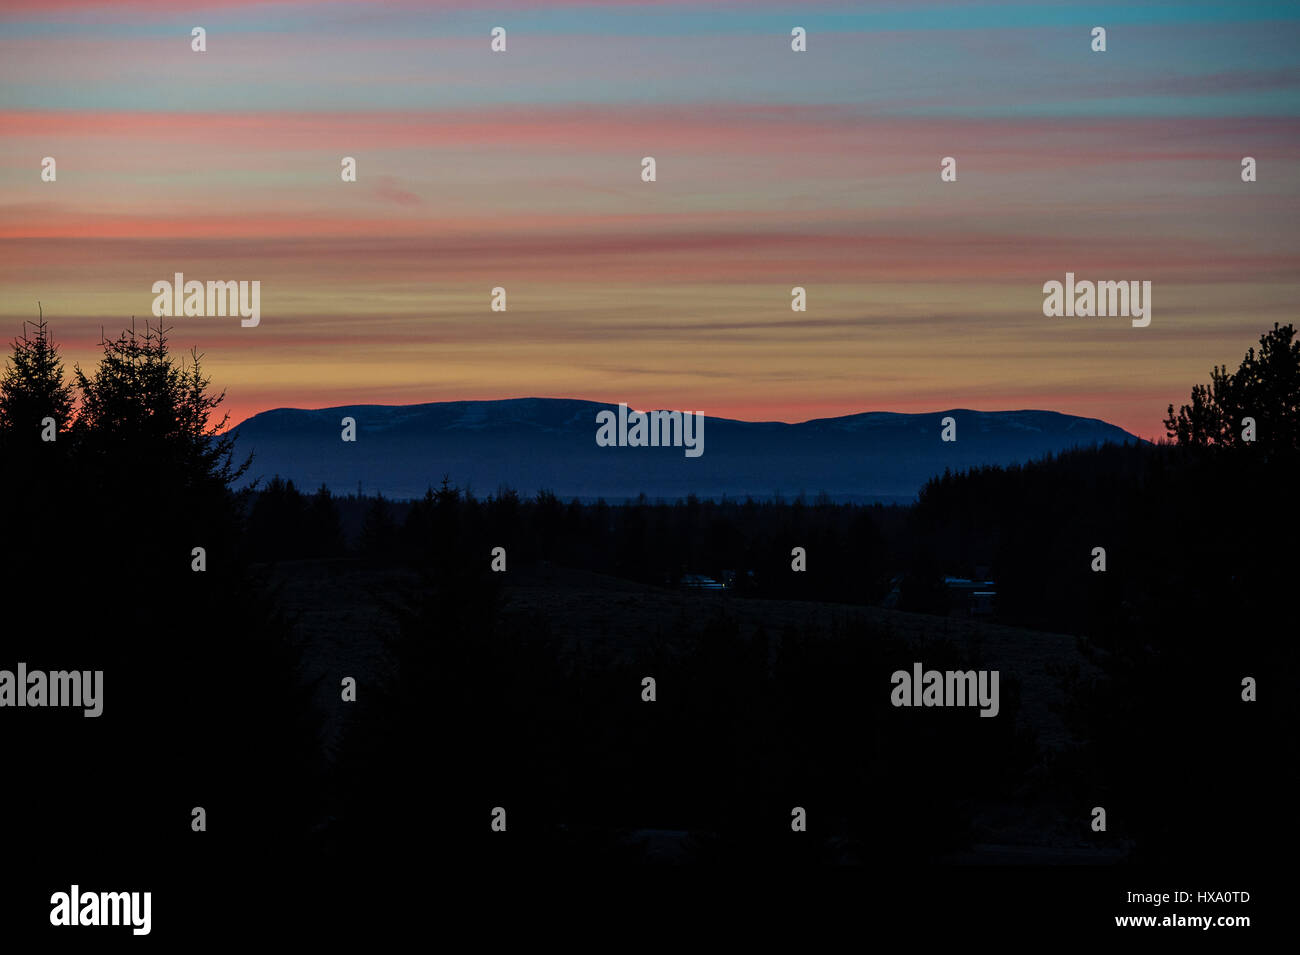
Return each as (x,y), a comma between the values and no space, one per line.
(537,443)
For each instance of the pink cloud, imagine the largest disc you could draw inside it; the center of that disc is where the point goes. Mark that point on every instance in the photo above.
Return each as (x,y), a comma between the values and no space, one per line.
(389,191)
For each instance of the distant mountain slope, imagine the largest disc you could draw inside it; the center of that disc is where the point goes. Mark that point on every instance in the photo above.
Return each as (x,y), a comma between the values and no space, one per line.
(535,443)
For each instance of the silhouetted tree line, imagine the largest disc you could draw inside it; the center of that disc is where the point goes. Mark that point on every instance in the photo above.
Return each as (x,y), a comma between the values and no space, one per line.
(853,547)
(1192,529)
(1195,596)
(206,703)
(112,479)
(1198,594)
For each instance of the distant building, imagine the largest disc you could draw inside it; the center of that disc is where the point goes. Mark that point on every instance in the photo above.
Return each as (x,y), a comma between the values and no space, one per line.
(967,596)
(700,582)
(972,597)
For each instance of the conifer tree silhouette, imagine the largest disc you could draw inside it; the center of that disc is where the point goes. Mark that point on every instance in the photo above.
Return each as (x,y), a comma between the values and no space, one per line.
(1265,387)
(205,701)
(140,397)
(34,473)
(33,387)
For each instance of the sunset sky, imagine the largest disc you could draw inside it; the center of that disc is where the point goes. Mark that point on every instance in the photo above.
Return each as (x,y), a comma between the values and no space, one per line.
(775,169)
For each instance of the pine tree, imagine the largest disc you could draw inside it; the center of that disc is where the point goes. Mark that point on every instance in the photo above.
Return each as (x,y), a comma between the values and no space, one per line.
(33,388)
(33,471)
(1266,387)
(141,401)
